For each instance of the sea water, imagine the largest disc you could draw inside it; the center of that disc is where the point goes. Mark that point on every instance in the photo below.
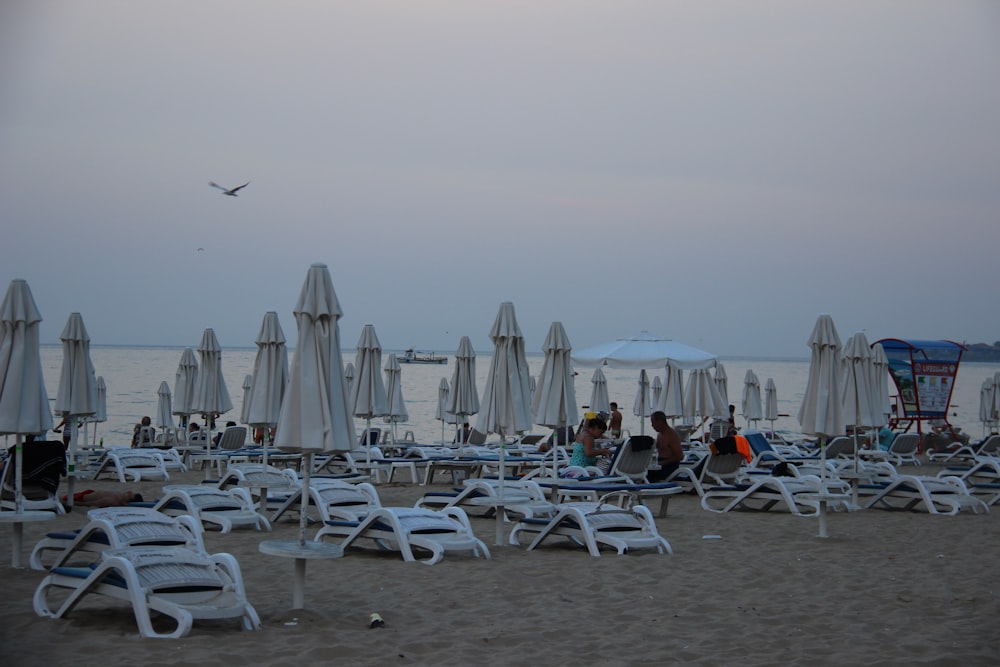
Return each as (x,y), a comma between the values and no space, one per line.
(133,375)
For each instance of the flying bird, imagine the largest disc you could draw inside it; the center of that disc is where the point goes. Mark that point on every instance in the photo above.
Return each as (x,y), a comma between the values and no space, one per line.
(226,191)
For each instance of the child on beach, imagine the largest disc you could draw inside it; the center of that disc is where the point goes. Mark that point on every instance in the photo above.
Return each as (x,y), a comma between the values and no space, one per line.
(585,449)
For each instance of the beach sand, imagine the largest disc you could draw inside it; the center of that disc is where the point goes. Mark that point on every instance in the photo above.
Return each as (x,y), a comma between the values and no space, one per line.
(886,588)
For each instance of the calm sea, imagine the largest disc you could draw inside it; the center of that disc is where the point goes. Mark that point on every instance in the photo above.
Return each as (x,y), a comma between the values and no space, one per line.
(133,374)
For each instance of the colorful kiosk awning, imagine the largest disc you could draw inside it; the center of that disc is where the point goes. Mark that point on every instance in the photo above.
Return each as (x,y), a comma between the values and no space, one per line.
(924,372)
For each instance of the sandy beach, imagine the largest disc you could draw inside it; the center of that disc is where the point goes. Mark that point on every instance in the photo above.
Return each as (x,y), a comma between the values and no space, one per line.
(886,588)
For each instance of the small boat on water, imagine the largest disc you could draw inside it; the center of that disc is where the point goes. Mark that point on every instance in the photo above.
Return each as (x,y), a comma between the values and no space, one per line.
(411,357)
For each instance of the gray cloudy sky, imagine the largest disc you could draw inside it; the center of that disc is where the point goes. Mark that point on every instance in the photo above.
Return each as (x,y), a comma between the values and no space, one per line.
(717,172)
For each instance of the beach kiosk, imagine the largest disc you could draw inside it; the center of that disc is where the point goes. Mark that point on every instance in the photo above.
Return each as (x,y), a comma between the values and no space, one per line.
(924,372)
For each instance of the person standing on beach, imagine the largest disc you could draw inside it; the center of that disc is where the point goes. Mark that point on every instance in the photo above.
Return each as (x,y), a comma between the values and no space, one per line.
(615,423)
(669,452)
(66,426)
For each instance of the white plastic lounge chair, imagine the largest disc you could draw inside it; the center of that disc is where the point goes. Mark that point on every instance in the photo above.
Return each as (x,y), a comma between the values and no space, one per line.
(43,467)
(981,478)
(521,497)
(711,470)
(233,440)
(633,457)
(137,464)
(935,495)
(796,495)
(183,584)
(209,505)
(404,529)
(988,447)
(903,449)
(280,482)
(596,524)
(113,528)
(333,499)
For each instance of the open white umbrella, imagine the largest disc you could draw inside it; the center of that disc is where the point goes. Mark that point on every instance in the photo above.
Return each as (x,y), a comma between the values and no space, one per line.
(506,405)
(822,411)
(722,383)
(441,412)
(211,397)
(369,399)
(672,395)
(641,406)
(771,402)
(164,411)
(396,406)
(599,399)
(555,400)
(24,403)
(751,405)
(270,379)
(185,382)
(463,401)
(644,350)
(77,395)
(316,412)
(247,384)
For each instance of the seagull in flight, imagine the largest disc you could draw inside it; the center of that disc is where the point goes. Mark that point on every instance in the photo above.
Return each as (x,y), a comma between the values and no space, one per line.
(227,191)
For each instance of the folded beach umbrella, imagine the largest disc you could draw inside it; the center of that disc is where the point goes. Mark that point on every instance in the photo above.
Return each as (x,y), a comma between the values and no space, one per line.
(316,411)
(101,412)
(599,400)
(24,403)
(349,377)
(701,396)
(270,377)
(505,407)
(369,399)
(463,401)
(555,399)
(986,404)
(641,407)
(441,412)
(822,409)
(211,397)
(771,402)
(247,384)
(396,407)
(856,383)
(722,383)
(77,395)
(752,409)
(185,381)
(880,385)
(655,393)
(164,410)
(672,395)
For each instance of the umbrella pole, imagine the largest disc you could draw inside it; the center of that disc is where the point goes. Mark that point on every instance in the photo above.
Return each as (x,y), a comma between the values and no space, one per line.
(71,468)
(304,502)
(368,442)
(500,512)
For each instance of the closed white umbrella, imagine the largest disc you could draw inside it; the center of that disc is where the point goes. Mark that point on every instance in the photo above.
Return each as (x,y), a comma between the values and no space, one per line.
(881,401)
(211,397)
(441,412)
(24,403)
(77,395)
(316,412)
(396,407)
(506,408)
(599,399)
(164,410)
(986,402)
(641,407)
(655,393)
(245,405)
(722,383)
(270,380)
(463,401)
(856,385)
(555,399)
(185,381)
(349,377)
(701,397)
(822,411)
(771,402)
(369,399)
(672,395)
(101,413)
(751,404)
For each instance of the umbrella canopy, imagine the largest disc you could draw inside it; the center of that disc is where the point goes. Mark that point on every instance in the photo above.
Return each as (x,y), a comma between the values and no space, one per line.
(856,383)
(349,377)
(24,403)
(77,395)
(441,412)
(751,404)
(555,399)
(722,383)
(101,411)
(701,396)
(986,402)
(369,398)
(270,374)
(672,395)
(396,408)
(505,409)
(641,407)
(247,385)
(599,400)
(770,401)
(211,397)
(821,412)
(185,382)
(644,350)
(164,411)
(880,385)
(655,393)
(463,401)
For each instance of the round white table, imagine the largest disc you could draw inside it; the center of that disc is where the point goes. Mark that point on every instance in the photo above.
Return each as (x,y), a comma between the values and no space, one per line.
(301,552)
(18,519)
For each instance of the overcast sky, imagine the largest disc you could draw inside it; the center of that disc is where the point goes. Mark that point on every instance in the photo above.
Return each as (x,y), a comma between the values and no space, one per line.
(719,173)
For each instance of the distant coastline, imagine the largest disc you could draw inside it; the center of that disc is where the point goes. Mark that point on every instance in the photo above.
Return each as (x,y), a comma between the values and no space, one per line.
(982,352)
